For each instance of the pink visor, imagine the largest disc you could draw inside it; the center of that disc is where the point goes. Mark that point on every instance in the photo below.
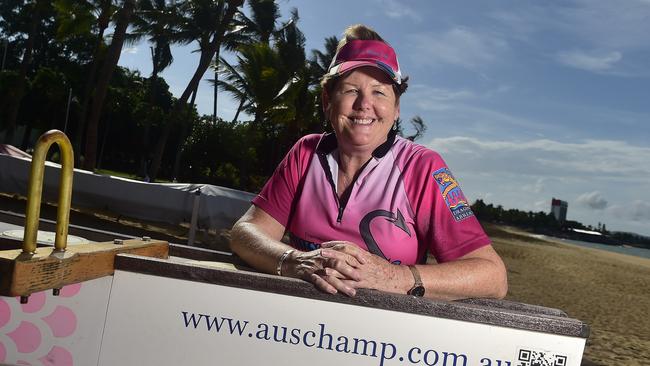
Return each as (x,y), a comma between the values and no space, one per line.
(359,53)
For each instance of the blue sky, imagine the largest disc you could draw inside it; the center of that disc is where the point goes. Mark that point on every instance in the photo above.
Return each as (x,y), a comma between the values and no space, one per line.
(525,100)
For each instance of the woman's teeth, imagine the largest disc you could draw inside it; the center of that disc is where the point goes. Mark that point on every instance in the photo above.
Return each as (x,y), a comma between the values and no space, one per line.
(362,121)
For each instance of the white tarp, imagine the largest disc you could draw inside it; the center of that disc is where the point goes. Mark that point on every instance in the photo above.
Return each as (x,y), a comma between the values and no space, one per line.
(172,203)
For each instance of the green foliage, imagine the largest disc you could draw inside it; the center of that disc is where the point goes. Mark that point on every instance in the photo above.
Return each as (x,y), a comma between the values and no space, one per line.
(273,79)
(530,220)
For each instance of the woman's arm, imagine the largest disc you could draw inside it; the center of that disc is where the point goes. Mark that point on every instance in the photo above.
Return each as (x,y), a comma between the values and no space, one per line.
(480,273)
(344,267)
(256,238)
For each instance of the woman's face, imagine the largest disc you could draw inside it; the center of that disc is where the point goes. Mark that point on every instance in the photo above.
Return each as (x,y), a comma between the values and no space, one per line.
(362,108)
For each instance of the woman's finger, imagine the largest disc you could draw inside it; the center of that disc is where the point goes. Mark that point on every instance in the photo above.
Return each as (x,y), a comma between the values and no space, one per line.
(321,284)
(348,248)
(343,268)
(351,257)
(339,285)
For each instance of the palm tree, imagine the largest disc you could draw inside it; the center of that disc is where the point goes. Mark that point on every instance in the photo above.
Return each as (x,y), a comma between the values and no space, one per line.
(417,123)
(255,54)
(258,28)
(156,20)
(79,18)
(272,84)
(104,77)
(206,22)
(320,62)
(37,9)
(255,81)
(318,65)
(261,26)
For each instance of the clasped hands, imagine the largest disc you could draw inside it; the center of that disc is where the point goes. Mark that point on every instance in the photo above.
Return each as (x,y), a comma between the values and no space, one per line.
(341,266)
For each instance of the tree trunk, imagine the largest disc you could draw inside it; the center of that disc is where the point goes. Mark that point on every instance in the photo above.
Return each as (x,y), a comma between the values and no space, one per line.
(216,86)
(24,68)
(144,149)
(103,20)
(112,57)
(206,56)
(241,105)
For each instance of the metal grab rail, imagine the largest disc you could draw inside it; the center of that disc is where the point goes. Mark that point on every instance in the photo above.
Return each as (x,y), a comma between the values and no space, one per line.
(35,190)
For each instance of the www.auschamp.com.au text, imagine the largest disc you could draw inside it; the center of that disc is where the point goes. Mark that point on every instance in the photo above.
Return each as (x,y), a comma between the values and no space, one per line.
(321,339)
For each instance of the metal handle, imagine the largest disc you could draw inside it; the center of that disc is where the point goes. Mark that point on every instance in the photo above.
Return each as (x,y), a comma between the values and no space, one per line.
(35,190)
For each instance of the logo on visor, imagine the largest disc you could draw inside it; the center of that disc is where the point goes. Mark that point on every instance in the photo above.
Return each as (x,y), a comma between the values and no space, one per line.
(451,193)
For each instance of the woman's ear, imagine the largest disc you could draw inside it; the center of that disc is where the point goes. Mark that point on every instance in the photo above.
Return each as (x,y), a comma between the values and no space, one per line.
(396,111)
(325,100)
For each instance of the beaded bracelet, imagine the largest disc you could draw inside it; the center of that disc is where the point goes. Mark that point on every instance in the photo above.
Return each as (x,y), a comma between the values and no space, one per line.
(282,258)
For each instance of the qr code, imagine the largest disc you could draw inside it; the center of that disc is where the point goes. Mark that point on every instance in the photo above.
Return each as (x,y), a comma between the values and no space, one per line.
(529,357)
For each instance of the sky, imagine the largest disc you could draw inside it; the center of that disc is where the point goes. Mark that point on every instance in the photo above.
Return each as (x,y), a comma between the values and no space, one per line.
(525,100)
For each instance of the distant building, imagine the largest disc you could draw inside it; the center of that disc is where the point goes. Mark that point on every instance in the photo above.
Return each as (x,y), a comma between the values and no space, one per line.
(558,209)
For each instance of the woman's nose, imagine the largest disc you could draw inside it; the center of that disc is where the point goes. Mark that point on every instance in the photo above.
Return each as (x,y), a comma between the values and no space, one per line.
(363,101)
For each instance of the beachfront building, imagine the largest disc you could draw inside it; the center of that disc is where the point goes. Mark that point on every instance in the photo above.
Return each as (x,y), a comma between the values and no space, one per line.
(559,209)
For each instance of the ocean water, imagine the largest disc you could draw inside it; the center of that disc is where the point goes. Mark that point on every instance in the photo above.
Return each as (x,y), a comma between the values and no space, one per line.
(638,252)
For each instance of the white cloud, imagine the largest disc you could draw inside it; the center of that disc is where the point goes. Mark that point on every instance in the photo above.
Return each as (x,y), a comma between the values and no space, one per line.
(427,98)
(398,10)
(536,187)
(458,46)
(593,200)
(637,210)
(598,159)
(602,24)
(526,174)
(590,61)
(608,24)
(602,31)
(130,50)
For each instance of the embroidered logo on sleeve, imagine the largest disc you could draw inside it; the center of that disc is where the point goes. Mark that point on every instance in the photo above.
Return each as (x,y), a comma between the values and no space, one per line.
(451,193)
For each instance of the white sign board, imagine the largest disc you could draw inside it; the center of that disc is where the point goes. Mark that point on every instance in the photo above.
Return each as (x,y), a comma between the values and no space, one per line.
(62,330)
(161,321)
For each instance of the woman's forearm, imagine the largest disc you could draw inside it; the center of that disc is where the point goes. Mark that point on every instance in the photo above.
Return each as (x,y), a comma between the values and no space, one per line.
(255,238)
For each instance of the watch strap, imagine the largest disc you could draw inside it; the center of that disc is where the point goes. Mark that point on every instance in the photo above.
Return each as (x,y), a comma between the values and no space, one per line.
(416,275)
(418,289)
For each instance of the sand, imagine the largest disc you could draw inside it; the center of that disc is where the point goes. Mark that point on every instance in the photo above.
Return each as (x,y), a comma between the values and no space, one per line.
(608,291)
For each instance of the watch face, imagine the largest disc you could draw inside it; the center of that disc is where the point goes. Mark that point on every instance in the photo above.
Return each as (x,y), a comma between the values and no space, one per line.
(417,291)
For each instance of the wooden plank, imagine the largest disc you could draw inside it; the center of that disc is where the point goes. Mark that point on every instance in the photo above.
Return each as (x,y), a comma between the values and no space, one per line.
(23,274)
(492,312)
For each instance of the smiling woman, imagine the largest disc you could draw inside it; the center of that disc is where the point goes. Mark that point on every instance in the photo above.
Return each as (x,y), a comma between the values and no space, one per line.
(363,206)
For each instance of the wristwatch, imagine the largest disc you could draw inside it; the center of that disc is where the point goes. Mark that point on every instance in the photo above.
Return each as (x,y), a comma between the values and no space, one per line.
(418,288)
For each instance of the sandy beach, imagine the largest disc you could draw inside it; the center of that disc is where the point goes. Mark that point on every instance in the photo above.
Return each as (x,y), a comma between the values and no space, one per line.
(608,291)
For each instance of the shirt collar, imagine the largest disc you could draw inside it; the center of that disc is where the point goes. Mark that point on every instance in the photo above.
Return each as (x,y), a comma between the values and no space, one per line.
(328,143)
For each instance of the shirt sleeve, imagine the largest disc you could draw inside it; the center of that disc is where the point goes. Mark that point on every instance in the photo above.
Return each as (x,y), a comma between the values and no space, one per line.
(445,222)
(276,197)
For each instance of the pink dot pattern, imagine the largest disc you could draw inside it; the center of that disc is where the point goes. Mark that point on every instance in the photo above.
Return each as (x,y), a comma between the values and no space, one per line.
(21,328)
(27,337)
(62,321)
(57,356)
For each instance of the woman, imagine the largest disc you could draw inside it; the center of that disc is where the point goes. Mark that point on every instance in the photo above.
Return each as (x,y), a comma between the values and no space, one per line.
(362,206)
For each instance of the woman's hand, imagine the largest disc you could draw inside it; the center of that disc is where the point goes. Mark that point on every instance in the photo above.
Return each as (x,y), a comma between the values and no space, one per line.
(373,272)
(327,269)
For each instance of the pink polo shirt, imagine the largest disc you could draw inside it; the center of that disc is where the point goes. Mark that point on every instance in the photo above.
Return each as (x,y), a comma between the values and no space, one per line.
(404,202)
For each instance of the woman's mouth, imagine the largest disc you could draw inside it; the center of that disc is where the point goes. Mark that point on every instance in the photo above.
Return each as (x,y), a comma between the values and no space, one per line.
(362,121)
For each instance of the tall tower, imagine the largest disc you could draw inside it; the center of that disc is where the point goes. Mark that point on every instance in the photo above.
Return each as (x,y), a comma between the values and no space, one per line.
(559,209)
